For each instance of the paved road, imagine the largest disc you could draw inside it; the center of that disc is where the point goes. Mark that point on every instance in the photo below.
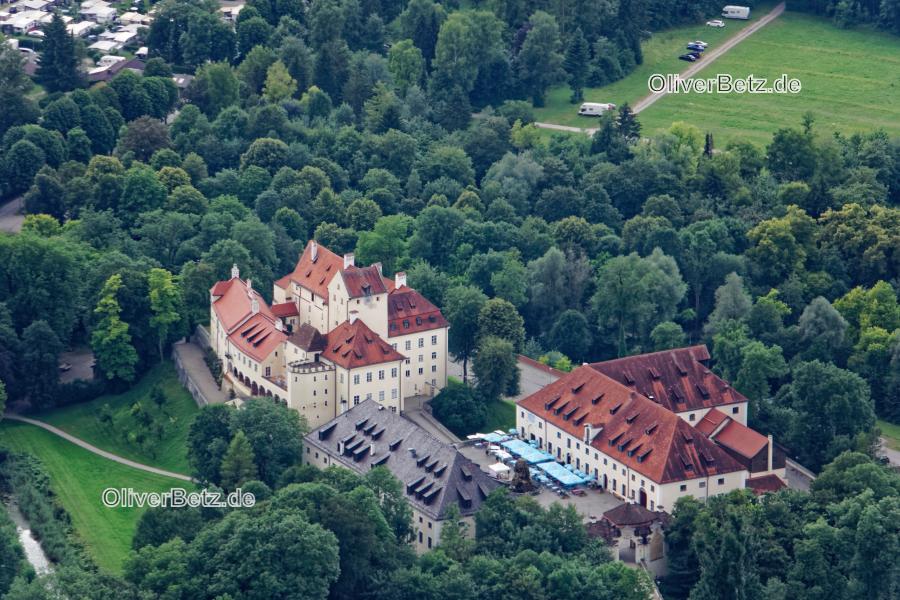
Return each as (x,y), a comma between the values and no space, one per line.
(692,70)
(531,378)
(96,450)
(414,410)
(712,55)
(11,218)
(191,357)
(892,455)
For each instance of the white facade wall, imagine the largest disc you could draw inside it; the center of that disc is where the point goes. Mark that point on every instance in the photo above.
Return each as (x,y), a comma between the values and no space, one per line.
(312,393)
(371,310)
(382,383)
(425,368)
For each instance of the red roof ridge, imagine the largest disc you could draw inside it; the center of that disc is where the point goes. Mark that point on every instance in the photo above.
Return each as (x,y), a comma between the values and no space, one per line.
(352,345)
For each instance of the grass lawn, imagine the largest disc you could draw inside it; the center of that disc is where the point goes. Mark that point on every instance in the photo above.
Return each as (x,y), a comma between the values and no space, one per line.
(891,433)
(851,82)
(500,415)
(79,478)
(170,452)
(661,53)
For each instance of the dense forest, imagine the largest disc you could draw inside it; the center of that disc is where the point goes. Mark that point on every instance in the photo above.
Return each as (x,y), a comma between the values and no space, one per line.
(352,123)
(881,13)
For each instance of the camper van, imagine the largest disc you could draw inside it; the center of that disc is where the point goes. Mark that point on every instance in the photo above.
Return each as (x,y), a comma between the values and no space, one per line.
(595,109)
(736,12)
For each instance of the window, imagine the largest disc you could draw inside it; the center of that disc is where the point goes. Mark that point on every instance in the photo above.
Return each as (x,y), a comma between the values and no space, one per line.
(434,368)
(632,476)
(393,409)
(568,443)
(434,356)
(735,410)
(421,342)
(721,481)
(394,372)
(381,375)
(558,435)
(434,340)
(691,417)
(355,400)
(394,394)
(381,396)
(342,378)
(369,377)
(604,462)
(429,542)
(394,346)
(407,372)
(421,358)
(356,379)
(421,370)
(702,484)
(408,345)
(406,325)
(682,488)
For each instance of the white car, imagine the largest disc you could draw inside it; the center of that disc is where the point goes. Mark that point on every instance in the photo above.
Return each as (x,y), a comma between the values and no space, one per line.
(699,43)
(716,23)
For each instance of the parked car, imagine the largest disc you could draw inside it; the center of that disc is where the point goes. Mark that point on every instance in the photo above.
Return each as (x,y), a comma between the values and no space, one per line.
(696,47)
(699,43)
(716,23)
(695,54)
(688,57)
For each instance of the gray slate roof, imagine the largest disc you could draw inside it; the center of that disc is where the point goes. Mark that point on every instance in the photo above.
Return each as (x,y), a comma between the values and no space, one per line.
(434,474)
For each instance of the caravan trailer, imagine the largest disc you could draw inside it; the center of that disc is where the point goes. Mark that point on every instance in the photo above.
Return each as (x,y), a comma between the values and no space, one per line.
(595,109)
(736,12)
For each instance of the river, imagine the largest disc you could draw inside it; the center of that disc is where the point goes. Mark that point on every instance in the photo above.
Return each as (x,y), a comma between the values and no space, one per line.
(33,551)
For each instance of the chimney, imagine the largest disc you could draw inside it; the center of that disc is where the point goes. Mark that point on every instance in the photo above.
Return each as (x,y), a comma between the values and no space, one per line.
(235,272)
(250,287)
(399,279)
(348,260)
(771,444)
(313,250)
(254,305)
(353,316)
(378,266)
(412,452)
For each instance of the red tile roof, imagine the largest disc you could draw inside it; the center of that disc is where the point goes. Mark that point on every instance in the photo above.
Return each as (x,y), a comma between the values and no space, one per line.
(741,439)
(676,378)
(765,484)
(352,345)
(314,275)
(363,281)
(285,309)
(410,312)
(257,337)
(633,430)
(234,305)
(710,421)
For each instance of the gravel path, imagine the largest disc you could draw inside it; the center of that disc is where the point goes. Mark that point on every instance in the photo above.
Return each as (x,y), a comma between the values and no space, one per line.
(11,218)
(96,450)
(692,70)
(712,55)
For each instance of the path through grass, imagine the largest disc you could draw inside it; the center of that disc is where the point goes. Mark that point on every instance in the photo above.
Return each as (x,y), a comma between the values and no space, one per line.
(169,452)
(78,478)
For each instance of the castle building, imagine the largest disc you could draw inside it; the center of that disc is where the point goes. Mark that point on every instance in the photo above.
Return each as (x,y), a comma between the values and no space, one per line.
(652,428)
(336,335)
(434,474)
